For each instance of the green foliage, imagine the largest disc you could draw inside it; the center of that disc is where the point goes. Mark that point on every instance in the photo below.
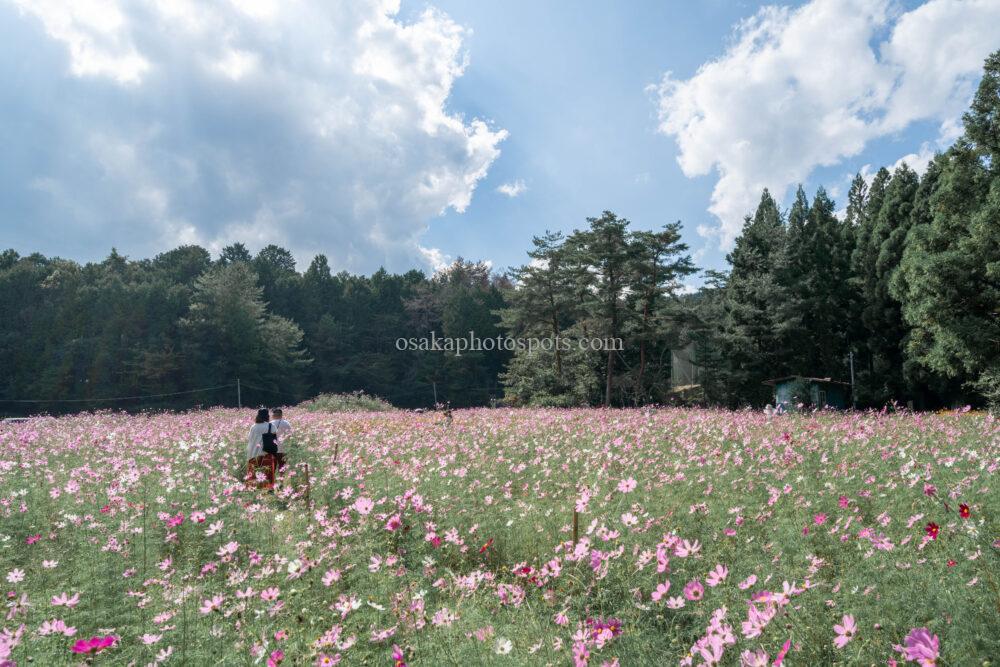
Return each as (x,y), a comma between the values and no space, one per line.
(603,282)
(181,321)
(949,277)
(357,401)
(755,304)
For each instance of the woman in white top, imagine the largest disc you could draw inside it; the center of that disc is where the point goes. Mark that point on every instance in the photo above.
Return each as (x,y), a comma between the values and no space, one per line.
(257,459)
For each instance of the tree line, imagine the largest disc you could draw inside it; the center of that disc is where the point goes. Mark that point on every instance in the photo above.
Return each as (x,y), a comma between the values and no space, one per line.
(906,282)
(183,320)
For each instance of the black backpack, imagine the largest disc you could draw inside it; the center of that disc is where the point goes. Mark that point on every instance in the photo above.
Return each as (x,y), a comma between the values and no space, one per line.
(269,441)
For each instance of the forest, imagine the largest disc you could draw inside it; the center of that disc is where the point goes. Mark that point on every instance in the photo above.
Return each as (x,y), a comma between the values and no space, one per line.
(906,282)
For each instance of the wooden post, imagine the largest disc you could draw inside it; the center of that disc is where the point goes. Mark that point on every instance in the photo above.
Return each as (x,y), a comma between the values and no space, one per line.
(308,483)
(336,450)
(576,525)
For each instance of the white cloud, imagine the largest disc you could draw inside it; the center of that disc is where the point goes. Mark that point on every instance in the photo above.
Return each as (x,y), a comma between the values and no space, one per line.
(435,258)
(322,126)
(809,87)
(513,189)
(95,33)
(916,161)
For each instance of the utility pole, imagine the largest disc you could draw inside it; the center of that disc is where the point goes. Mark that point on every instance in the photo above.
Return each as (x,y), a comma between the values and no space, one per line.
(239,397)
(854,402)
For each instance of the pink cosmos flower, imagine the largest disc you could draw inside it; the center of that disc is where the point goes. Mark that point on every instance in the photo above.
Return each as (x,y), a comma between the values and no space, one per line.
(398,659)
(843,502)
(269,594)
(694,590)
(661,591)
(922,647)
(778,659)
(363,505)
(208,606)
(675,602)
(748,582)
(94,644)
(685,549)
(276,657)
(627,485)
(819,519)
(393,523)
(845,631)
(56,627)
(758,658)
(717,576)
(63,600)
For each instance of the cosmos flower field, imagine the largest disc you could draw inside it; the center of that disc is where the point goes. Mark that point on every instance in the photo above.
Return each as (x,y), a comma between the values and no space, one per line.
(703,537)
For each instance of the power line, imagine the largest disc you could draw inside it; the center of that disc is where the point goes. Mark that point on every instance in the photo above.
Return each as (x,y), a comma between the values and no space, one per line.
(115,398)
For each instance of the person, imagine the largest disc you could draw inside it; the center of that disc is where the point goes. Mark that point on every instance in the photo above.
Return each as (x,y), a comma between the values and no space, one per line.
(283,429)
(257,459)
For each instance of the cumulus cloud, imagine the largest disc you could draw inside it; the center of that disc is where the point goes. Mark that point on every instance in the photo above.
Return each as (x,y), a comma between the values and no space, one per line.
(322,126)
(513,189)
(808,87)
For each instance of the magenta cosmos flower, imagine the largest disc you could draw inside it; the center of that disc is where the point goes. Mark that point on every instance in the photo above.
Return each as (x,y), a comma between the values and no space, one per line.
(94,644)
(398,659)
(922,647)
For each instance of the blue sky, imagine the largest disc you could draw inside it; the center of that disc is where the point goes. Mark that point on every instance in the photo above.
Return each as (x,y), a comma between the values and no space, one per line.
(381,134)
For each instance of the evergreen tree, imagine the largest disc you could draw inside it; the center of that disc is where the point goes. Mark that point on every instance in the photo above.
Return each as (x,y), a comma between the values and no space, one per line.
(231,335)
(658,264)
(949,277)
(753,307)
(606,249)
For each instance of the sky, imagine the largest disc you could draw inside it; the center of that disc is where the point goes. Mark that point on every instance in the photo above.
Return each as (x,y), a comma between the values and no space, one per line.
(406,134)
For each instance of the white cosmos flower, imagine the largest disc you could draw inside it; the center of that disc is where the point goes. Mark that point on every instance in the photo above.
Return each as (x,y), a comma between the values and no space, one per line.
(503,646)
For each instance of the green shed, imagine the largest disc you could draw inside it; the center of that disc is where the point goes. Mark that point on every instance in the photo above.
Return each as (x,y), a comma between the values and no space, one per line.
(791,390)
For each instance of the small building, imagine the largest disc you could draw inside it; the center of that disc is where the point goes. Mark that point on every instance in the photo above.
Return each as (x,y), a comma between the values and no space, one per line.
(791,390)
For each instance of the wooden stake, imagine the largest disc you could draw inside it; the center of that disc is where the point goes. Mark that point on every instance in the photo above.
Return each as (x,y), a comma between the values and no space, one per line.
(576,526)
(336,450)
(308,483)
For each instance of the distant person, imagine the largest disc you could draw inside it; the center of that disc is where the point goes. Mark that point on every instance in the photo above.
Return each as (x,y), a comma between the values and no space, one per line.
(258,459)
(283,429)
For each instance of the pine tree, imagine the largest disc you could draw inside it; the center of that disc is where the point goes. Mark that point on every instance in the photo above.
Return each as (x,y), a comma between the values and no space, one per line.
(606,249)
